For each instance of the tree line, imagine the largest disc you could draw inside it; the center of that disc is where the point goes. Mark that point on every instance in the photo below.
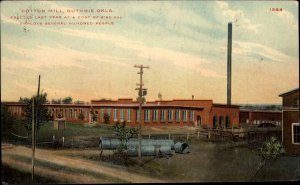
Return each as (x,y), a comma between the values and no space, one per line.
(260,106)
(41,112)
(66,100)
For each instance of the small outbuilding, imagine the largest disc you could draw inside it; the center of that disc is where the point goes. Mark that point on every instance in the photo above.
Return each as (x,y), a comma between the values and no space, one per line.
(59,123)
(290,121)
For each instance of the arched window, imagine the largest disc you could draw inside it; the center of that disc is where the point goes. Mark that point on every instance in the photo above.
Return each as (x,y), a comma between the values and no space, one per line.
(215,121)
(155,115)
(122,114)
(162,115)
(71,113)
(227,122)
(128,114)
(115,114)
(185,112)
(75,113)
(138,115)
(199,120)
(221,122)
(178,115)
(170,115)
(66,113)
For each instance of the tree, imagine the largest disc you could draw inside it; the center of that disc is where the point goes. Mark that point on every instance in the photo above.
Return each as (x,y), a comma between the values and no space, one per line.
(94,115)
(106,118)
(42,112)
(79,102)
(67,100)
(56,101)
(7,119)
(269,152)
(23,100)
(120,155)
(159,96)
(81,116)
(124,133)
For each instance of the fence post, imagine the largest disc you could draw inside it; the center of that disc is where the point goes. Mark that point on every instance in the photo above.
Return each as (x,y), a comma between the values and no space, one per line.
(53,138)
(63,138)
(187,136)
(169,135)
(72,141)
(221,135)
(149,136)
(198,135)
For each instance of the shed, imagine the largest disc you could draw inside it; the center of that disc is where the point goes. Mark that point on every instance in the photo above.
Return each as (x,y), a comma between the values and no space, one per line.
(59,123)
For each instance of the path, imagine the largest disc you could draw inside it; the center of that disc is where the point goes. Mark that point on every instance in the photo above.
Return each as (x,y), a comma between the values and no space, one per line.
(69,162)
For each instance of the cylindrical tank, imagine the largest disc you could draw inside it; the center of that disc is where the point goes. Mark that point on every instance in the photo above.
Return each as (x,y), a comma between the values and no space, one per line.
(113,143)
(164,150)
(181,147)
(109,143)
(154,142)
(146,150)
(149,150)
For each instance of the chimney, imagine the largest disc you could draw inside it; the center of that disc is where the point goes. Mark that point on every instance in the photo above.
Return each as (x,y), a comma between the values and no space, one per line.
(229,63)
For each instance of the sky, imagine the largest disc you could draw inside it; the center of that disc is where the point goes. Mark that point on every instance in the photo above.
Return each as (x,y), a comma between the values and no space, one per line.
(183,42)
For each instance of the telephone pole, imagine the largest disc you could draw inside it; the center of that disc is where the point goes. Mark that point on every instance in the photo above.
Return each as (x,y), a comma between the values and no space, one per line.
(35,120)
(32,140)
(141,92)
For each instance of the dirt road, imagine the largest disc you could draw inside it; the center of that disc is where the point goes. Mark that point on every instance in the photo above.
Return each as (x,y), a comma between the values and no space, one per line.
(106,174)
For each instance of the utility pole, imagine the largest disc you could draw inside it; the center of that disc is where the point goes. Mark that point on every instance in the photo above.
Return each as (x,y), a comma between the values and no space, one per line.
(37,107)
(32,140)
(34,124)
(141,92)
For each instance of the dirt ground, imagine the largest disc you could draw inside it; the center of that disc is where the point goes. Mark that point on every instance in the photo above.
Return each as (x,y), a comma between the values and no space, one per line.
(59,158)
(206,162)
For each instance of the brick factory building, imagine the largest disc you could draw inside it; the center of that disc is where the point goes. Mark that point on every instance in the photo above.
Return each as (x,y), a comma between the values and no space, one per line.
(156,113)
(261,116)
(290,121)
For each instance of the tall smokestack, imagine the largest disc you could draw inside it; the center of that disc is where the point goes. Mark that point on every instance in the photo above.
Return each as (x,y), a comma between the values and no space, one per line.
(229,63)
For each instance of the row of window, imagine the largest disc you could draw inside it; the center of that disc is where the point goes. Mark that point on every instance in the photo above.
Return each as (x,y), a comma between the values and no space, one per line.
(162,115)
(73,113)
(179,114)
(16,110)
(296,133)
(166,115)
(219,121)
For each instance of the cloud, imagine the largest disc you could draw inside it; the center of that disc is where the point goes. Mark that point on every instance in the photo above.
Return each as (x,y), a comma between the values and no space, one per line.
(184,60)
(170,13)
(43,56)
(288,18)
(237,17)
(157,54)
(121,41)
(243,48)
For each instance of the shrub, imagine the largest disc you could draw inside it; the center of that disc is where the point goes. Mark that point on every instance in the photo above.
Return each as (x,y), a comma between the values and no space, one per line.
(269,152)
(81,116)
(106,118)
(119,157)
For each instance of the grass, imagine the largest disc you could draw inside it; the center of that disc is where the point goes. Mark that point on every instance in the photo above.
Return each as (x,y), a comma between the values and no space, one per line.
(13,176)
(207,162)
(46,131)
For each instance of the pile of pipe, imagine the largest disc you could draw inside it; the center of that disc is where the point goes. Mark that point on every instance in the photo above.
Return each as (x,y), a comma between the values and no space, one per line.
(149,147)
(181,147)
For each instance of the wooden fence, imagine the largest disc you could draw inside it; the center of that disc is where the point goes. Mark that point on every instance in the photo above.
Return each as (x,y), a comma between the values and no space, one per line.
(254,138)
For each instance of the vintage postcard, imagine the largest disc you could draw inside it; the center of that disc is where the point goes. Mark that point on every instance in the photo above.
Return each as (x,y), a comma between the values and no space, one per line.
(149,91)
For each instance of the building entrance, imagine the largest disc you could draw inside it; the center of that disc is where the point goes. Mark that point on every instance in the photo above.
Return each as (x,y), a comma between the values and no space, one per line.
(198,121)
